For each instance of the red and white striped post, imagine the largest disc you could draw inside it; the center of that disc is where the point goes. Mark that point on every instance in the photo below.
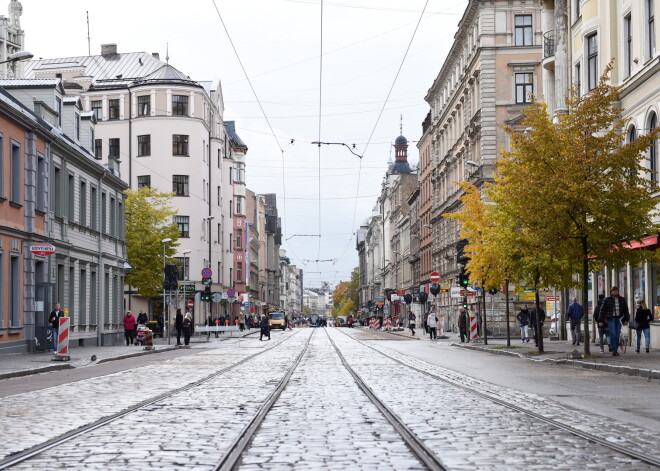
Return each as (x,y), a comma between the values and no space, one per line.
(473,328)
(63,337)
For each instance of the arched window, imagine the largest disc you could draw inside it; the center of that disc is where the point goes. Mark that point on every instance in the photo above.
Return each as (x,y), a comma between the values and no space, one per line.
(653,149)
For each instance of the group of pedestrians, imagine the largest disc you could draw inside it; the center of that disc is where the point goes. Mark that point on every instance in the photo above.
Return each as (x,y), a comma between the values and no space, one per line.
(527,319)
(432,323)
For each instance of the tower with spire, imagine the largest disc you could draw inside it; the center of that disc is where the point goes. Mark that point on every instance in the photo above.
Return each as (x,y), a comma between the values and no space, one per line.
(401,165)
(12,39)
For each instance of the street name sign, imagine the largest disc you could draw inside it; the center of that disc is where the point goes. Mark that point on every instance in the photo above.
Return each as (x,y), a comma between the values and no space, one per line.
(42,249)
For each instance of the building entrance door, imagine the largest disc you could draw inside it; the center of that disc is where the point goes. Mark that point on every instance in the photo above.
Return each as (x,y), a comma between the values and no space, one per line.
(44,303)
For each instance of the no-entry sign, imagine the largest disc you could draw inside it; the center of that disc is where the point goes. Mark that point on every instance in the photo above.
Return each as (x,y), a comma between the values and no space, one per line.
(435,277)
(191,304)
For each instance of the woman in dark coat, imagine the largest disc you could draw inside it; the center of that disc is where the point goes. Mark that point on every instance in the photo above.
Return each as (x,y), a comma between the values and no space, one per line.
(187,328)
(178,325)
(265,328)
(643,317)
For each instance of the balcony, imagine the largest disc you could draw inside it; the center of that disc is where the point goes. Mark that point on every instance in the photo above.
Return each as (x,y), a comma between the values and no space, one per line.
(549,46)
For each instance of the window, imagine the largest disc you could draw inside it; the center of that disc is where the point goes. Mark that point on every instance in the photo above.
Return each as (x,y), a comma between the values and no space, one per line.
(82,218)
(71,197)
(627,52)
(98,149)
(92,298)
(113,145)
(41,181)
(97,109)
(524,33)
(179,144)
(239,272)
(653,150)
(578,10)
(144,145)
(121,217)
(144,181)
(15,286)
(180,185)
(182,264)
(91,138)
(144,105)
(578,78)
(231,208)
(219,197)
(113,217)
(524,87)
(179,105)
(82,308)
(592,64)
(113,108)
(94,212)
(240,173)
(239,238)
(76,125)
(239,205)
(2,166)
(184,226)
(650,28)
(16,185)
(104,214)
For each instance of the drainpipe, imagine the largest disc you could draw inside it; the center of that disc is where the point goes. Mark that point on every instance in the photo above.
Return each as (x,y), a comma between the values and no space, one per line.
(130,165)
(100,318)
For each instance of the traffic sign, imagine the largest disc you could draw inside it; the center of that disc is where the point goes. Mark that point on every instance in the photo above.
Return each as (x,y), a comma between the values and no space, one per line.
(42,249)
(216,297)
(435,277)
(191,304)
(207,273)
(231,293)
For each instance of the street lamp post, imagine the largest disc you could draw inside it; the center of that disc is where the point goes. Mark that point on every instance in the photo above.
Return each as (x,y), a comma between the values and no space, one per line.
(17,57)
(165,322)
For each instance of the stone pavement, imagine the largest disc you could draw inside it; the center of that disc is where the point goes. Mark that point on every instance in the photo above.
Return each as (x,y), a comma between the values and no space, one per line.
(564,352)
(23,364)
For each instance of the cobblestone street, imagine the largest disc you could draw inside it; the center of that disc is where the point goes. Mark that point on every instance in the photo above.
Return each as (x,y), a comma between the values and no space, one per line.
(191,412)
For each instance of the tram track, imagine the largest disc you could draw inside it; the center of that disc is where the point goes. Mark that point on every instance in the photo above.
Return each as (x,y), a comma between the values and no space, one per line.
(25,455)
(617,448)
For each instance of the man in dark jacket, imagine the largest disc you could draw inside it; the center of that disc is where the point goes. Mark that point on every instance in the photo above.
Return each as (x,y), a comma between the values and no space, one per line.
(615,311)
(462,323)
(178,325)
(54,320)
(603,328)
(575,313)
(538,328)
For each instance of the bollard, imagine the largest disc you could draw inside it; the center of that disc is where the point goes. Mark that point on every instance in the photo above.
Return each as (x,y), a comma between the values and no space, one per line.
(473,328)
(63,340)
(149,339)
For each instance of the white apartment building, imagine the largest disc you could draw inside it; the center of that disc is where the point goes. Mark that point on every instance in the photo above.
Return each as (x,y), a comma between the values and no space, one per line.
(157,127)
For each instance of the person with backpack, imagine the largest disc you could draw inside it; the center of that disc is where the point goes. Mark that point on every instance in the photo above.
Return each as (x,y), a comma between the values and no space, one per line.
(575,313)
(186,327)
(411,323)
(432,323)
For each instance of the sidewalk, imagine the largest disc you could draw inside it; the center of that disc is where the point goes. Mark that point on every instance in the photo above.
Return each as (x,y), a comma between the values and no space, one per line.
(562,352)
(24,364)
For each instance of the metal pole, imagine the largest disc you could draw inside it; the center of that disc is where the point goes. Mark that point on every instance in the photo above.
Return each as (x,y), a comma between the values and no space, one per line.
(164,293)
(508,331)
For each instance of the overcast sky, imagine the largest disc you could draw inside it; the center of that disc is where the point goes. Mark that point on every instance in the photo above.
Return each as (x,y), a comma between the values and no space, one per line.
(305,99)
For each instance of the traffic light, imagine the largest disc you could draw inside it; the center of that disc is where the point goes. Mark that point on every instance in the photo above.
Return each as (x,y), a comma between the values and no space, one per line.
(461,258)
(206,295)
(463,278)
(493,291)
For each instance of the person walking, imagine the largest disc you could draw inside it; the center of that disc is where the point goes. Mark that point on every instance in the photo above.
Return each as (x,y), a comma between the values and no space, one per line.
(575,313)
(241,322)
(523,320)
(538,328)
(601,322)
(186,327)
(54,320)
(129,328)
(462,323)
(432,322)
(265,328)
(178,325)
(411,322)
(615,310)
(142,318)
(643,318)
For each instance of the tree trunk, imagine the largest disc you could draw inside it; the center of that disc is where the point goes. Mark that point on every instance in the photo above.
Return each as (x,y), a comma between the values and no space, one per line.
(585,296)
(539,325)
(483,305)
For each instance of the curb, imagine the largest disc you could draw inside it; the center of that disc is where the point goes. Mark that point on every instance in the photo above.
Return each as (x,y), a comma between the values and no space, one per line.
(45,369)
(136,354)
(588,365)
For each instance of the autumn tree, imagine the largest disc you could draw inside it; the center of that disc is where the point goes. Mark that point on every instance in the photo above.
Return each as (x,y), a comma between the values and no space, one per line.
(571,195)
(148,222)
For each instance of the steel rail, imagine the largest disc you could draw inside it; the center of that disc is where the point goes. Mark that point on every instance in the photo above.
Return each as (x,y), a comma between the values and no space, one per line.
(232,459)
(652,460)
(416,446)
(25,455)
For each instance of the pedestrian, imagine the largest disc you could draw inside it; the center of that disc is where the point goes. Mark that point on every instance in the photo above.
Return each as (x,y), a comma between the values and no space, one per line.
(241,322)
(350,321)
(160,320)
(54,320)
(432,322)
(129,328)
(532,321)
(575,313)
(186,327)
(178,325)
(603,328)
(142,317)
(265,328)
(615,310)
(462,324)
(523,320)
(411,323)
(643,318)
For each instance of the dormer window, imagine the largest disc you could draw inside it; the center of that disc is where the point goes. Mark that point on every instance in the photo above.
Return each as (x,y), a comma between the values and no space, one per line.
(58,108)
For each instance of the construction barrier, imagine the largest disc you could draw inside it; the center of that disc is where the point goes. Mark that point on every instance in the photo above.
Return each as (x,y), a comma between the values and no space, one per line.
(473,328)
(371,323)
(148,339)
(387,324)
(63,336)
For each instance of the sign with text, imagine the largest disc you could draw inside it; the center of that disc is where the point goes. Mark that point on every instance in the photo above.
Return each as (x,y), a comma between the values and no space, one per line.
(457,292)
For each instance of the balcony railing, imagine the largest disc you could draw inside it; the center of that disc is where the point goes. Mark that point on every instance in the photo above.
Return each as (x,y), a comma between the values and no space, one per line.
(549,46)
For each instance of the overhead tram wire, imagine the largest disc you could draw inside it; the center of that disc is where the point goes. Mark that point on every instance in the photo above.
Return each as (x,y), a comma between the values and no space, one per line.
(380,114)
(254,92)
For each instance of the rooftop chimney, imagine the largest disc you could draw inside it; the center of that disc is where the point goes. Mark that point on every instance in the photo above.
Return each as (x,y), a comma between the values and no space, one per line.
(108,49)
(156,55)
